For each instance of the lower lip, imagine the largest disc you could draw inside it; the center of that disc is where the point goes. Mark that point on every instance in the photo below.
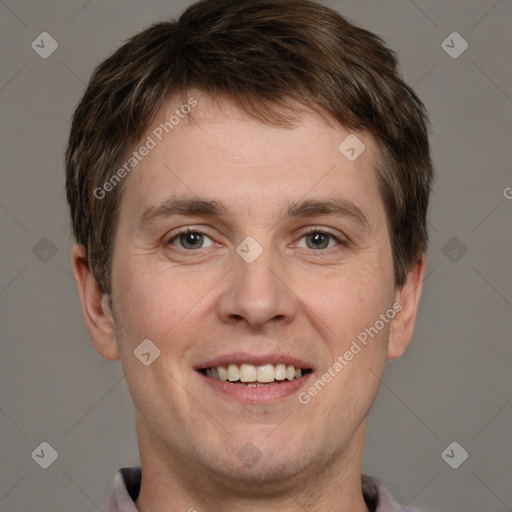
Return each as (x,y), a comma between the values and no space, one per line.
(257,394)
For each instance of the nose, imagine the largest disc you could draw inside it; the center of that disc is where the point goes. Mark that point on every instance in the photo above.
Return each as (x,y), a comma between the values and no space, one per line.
(257,293)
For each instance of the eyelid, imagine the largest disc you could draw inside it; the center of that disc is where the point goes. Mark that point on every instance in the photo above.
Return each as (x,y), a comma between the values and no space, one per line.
(321,229)
(339,237)
(184,231)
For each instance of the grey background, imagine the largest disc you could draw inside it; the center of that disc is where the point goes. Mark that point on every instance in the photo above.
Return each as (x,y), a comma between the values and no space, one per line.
(454,382)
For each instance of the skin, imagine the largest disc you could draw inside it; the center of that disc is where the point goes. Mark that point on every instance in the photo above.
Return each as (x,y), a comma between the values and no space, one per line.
(196,304)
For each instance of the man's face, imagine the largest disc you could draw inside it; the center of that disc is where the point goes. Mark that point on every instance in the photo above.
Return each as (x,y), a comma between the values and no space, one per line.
(253,285)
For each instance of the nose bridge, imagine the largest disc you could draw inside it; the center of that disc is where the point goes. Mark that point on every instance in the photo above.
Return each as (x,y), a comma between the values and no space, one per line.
(256,291)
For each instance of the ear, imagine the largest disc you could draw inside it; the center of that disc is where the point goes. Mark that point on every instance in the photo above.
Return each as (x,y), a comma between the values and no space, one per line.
(98,315)
(408,296)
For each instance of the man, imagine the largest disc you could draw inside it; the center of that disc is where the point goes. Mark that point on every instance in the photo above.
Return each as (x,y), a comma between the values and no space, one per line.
(248,189)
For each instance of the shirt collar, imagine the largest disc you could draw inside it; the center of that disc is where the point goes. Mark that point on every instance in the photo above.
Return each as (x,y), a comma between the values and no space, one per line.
(127,488)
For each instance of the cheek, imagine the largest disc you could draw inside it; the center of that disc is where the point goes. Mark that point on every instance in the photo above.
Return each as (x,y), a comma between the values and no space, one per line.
(159,302)
(160,306)
(347,302)
(348,311)
(148,301)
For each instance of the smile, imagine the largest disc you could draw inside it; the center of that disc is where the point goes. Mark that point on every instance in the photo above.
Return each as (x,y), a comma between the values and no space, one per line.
(251,378)
(254,376)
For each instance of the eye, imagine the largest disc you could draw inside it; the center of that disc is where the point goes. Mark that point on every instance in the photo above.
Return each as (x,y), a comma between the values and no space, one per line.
(190,239)
(317,239)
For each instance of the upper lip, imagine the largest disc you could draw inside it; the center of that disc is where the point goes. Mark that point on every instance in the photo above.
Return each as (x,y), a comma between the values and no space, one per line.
(253,359)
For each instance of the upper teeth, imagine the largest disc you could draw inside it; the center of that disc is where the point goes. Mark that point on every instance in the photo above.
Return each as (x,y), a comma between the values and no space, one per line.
(249,373)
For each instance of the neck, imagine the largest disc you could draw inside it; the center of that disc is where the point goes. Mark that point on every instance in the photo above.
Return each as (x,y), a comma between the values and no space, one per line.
(170,482)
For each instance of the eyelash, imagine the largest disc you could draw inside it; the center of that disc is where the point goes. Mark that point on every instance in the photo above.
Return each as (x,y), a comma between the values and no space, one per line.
(310,231)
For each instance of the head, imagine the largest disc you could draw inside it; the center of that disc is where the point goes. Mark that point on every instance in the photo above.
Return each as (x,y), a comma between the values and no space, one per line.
(231,123)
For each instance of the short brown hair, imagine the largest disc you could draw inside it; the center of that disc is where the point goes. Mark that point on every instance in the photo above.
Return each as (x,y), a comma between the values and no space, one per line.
(272,58)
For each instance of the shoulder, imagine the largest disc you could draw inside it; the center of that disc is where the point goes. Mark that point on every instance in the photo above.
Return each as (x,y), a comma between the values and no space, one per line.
(126,491)
(379,498)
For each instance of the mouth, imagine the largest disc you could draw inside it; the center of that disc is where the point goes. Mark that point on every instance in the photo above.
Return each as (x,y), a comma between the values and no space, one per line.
(255,378)
(249,375)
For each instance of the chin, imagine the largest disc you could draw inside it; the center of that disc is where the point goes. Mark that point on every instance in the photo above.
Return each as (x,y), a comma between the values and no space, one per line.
(262,460)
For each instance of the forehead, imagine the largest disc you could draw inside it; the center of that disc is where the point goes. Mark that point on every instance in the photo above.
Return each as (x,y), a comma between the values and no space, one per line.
(214,149)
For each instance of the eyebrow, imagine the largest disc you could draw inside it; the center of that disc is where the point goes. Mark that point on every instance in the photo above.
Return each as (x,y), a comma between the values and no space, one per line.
(338,207)
(188,206)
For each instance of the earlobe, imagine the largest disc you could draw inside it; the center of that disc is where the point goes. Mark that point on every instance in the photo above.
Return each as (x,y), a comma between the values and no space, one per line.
(408,296)
(97,312)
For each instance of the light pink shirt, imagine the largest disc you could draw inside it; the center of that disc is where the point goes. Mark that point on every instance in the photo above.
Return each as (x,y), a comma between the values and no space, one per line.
(127,486)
